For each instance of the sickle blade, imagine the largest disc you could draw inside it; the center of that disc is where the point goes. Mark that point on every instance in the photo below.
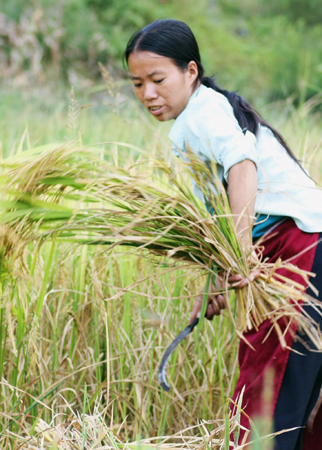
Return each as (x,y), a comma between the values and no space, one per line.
(161,374)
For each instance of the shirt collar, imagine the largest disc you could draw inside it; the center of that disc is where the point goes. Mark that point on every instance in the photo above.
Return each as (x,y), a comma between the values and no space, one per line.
(195,94)
(176,132)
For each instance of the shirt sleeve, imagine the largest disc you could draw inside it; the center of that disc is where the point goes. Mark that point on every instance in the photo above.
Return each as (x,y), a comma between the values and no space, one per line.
(214,134)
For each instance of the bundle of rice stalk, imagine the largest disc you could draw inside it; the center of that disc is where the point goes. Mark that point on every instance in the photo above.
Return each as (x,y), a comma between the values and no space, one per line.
(72,193)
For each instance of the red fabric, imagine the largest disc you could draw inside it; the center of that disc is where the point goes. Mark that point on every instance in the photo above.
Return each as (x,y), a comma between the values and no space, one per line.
(269,359)
(312,438)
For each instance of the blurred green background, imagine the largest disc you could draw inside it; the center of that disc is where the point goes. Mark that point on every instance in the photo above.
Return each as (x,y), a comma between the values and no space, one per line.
(270,52)
(264,49)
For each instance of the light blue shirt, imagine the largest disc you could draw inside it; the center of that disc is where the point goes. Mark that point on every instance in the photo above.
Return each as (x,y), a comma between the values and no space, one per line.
(209,127)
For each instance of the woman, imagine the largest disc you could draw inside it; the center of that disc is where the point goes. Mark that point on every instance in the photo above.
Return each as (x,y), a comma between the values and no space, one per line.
(263,180)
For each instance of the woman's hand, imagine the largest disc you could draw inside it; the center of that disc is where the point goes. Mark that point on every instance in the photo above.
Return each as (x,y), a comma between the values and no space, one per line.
(237,281)
(218,302)
(215,302)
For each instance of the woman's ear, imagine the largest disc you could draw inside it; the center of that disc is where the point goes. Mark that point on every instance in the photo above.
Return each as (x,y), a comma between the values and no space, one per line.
(193,71)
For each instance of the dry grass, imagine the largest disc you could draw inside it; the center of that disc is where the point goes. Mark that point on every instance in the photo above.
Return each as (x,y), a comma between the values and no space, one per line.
(78,322)
(90,431)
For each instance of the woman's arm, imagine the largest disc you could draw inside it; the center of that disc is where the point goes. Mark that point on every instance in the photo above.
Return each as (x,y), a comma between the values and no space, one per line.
(242,182)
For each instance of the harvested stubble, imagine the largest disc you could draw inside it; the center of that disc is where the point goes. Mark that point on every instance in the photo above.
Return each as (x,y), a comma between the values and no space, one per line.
(90,431)
(70,193)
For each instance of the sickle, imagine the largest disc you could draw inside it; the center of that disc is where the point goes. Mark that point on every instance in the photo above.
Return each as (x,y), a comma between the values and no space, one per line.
(169,351)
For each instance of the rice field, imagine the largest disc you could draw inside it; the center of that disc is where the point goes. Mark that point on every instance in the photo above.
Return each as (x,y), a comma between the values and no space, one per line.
(83,330)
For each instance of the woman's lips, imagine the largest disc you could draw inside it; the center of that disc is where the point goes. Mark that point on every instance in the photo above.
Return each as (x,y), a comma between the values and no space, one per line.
(156,110)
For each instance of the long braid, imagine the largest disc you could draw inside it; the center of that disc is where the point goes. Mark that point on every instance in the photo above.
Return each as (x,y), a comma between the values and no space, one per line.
(247,117)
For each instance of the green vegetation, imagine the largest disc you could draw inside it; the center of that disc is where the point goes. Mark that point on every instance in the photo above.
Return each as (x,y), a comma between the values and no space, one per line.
(265,50)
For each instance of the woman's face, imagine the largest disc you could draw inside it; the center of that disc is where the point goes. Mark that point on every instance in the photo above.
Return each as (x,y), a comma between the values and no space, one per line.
(161,86)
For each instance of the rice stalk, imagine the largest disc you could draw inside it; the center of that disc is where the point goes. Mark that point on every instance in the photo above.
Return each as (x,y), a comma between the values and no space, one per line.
(72,194)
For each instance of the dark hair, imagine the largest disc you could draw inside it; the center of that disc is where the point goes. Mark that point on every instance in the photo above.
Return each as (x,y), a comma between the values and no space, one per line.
(174,39)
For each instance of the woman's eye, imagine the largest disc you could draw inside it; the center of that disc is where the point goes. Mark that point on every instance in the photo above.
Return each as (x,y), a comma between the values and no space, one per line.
(137,85)
(159,81)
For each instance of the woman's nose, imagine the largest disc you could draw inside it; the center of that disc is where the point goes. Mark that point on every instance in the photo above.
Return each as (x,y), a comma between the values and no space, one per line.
(150,93)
